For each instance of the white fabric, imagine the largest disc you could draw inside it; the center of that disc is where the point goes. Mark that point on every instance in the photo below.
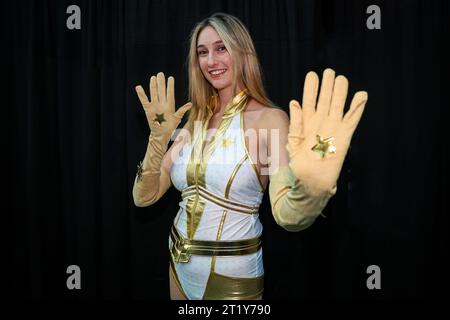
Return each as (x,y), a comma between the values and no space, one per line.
(245,189)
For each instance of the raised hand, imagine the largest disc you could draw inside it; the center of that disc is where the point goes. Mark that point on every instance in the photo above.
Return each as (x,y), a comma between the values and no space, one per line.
(160,110)
(319,133)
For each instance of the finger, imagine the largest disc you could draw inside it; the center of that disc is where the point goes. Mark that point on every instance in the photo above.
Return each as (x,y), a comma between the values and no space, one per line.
(295,135)
(339,95)
(171,92)
(326,91)
(296,121)
(356,110)
(310,94)
(161,82)
(153,89)
(181,111)
(141,95)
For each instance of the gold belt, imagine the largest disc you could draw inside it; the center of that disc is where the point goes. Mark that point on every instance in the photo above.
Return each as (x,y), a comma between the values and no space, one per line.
(181,249)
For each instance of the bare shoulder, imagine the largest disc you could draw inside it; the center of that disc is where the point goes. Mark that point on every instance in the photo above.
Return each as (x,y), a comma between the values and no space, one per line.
(266,117)
(274,117)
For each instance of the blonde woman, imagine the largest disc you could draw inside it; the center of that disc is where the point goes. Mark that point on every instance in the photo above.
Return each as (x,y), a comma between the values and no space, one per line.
(234,142)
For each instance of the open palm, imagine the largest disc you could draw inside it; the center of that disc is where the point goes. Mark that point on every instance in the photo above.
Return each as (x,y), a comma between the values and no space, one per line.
(319,133)
(160,110)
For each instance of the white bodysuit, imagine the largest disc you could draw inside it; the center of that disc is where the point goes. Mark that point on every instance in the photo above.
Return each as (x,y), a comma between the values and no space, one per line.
(220,201)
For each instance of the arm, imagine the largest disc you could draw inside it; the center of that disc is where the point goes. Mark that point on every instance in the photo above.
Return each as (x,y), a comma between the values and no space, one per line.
(294,206)
(153,179)
(317,143)
(150,184)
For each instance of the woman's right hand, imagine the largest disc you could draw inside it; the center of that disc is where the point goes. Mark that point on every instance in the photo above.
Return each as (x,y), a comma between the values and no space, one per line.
(160,110)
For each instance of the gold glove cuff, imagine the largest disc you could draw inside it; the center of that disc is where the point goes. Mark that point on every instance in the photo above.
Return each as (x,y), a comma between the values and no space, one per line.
(294,207)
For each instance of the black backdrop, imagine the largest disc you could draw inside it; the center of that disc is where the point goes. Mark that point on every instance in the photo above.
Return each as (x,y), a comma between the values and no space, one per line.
(77,132)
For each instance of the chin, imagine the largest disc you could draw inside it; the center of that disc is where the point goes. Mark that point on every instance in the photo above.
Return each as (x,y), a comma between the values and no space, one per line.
(220,85)
(218,88)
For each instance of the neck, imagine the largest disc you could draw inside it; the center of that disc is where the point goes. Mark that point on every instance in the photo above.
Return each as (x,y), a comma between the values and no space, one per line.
(225,96)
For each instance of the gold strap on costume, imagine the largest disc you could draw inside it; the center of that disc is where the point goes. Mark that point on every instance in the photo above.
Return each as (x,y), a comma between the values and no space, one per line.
(221,202)
(181,249)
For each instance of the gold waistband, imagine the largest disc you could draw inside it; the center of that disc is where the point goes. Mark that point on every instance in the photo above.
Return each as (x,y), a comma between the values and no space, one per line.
(181,249)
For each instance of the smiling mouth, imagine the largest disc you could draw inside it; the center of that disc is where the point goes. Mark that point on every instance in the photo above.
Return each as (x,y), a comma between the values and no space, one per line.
(217,73)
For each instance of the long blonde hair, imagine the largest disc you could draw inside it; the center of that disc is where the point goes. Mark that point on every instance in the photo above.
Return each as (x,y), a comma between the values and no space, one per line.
(246,67)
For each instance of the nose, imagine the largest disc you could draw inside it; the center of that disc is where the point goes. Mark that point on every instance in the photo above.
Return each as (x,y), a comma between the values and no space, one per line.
(212,60)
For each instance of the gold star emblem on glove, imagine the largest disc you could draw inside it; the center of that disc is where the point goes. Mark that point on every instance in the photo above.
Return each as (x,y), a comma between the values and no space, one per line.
(139,171)
(324,146)
(159,118)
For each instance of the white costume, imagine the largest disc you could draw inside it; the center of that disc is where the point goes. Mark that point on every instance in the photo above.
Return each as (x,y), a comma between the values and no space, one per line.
(214,243)
(221,196)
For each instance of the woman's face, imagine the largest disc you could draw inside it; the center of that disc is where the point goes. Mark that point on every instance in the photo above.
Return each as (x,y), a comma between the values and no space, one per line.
(214,59)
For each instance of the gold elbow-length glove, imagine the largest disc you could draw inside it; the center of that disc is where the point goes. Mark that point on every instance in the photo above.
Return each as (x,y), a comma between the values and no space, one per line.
(318,141)
(151,180)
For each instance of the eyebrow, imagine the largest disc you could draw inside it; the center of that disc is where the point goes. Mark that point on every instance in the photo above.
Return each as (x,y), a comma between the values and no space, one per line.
(202,45)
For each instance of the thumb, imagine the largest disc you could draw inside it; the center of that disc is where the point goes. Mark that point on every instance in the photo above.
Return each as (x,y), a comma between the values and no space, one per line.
(295,136)
(181,111)
(296,115)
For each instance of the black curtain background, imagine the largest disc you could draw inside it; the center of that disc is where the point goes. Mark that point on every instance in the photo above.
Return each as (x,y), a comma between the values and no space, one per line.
(76,132)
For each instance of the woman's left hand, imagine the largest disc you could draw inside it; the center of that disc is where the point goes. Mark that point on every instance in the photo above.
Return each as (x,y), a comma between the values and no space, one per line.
(319,133)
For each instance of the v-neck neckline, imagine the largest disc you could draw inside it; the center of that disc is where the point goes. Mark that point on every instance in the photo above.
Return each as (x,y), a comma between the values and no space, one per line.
(236,105)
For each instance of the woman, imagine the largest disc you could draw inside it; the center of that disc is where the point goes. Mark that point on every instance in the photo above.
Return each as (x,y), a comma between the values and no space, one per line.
(223,160)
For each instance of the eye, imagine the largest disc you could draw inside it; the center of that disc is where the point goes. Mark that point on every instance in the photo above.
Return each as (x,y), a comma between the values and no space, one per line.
(221,48)
(201,52)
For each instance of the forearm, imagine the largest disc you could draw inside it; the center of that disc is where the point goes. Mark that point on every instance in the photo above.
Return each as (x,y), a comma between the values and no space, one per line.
(153,181)
(295,205)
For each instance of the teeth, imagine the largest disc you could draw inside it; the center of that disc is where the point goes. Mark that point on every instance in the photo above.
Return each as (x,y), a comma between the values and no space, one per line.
(217,72)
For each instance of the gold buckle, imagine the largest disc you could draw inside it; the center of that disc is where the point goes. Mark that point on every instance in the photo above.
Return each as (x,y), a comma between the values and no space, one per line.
(179,250)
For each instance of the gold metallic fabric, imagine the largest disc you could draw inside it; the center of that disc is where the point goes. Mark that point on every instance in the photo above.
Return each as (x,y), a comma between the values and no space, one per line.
(221,287)
(181,249)
(324,146)
(196,168)
(194,193)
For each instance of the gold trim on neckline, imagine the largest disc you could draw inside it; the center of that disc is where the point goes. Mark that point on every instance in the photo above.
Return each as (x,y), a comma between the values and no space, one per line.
(233,107)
